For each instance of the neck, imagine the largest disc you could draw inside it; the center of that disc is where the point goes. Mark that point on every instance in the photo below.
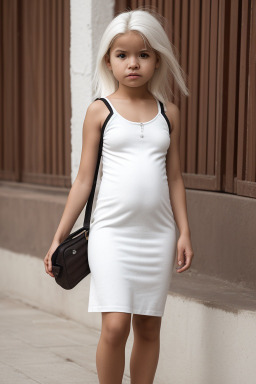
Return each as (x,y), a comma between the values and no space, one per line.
(133,93)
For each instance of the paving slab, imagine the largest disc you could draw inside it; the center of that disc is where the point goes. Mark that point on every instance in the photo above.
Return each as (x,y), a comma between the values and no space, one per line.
(38,347)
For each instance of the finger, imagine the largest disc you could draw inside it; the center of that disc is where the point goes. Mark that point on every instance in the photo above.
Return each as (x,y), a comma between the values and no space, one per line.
(45,265)
(48,266)
(187,264)
(49,272)
(181,257)
(182,269)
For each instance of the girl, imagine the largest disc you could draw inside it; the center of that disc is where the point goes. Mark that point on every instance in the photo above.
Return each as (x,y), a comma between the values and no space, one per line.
(132,241)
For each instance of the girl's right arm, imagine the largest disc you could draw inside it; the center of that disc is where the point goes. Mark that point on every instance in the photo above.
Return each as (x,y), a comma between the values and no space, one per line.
(81,188)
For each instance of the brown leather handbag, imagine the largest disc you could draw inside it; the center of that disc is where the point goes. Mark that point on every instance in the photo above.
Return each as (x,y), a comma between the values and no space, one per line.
(70,259)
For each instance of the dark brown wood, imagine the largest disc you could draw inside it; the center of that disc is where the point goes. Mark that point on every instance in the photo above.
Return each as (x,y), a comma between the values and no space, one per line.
(153,4)
(204,90)
(196,181)
(245,182)
(212,158)
(66,106)
(232,94)
(193,84)
(48,79)
(184,65)
(17,139)
(243,92)
(251,142)
(41,106)
(35,89)
(1,90)
(148,4)
(177,45)
(246,188)
(217,132)
(53,90)
(120,6)
(134,4)
(171,37)
(9,158)
(161,6)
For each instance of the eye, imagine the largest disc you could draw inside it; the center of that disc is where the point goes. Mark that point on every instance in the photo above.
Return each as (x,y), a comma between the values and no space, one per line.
(120,55)
(146,55)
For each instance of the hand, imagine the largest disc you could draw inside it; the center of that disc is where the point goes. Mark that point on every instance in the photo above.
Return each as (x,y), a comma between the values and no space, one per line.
(48,257)
(185,253)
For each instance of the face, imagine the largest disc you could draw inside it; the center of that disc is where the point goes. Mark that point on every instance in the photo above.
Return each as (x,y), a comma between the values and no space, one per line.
(128,55)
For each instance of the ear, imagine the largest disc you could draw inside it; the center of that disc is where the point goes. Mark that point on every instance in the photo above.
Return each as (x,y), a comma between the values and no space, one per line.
(158,61)
(107,61)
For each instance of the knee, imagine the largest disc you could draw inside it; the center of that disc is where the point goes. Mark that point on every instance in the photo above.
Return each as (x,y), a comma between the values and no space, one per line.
(115,331)
(147,327)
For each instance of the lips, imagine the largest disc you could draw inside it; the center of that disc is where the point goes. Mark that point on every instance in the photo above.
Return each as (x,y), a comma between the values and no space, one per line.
(133,74)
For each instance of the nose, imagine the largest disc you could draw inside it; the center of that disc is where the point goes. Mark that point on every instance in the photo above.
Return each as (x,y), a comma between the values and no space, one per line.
(133,62)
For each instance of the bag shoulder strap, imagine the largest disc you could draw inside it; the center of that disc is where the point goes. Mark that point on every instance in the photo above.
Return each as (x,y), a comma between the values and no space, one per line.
(89,204)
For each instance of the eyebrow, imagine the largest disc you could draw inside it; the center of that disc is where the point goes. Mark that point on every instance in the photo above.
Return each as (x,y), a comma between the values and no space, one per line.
(122,50)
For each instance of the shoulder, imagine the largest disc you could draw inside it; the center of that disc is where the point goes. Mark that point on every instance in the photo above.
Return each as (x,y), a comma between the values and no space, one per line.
(173,114)
(96,107)
(97,110)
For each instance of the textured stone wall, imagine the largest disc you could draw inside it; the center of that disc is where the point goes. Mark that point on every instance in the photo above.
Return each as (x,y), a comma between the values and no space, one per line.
(89,19)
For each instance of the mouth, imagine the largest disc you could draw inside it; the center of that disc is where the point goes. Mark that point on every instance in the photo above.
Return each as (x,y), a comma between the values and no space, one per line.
(133,75)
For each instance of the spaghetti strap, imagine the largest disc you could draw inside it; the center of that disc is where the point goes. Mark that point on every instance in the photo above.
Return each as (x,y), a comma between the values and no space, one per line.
(106,102)
(164,115)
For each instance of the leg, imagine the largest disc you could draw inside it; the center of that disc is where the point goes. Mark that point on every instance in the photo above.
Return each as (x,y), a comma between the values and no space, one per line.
(146,348)
(110,354)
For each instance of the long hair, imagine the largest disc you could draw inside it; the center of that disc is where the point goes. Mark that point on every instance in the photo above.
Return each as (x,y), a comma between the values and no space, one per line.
(151,30)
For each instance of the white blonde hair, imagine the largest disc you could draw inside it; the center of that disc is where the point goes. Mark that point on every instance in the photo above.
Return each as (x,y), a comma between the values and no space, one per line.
(150,28)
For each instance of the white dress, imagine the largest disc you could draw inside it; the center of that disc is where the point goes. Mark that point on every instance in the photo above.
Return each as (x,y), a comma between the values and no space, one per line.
(132,239)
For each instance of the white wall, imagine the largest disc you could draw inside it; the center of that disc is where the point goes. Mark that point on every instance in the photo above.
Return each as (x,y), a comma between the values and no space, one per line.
(89,19)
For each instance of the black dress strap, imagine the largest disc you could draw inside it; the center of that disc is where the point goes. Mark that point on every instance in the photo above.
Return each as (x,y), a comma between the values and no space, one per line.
(107,104)
(164,115)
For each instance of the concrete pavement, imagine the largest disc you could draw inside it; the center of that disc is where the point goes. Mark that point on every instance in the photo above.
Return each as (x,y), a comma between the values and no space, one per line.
(208,323)
(38,347)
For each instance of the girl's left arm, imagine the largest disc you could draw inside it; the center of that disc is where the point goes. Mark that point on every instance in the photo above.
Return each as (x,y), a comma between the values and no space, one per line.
(177,190)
